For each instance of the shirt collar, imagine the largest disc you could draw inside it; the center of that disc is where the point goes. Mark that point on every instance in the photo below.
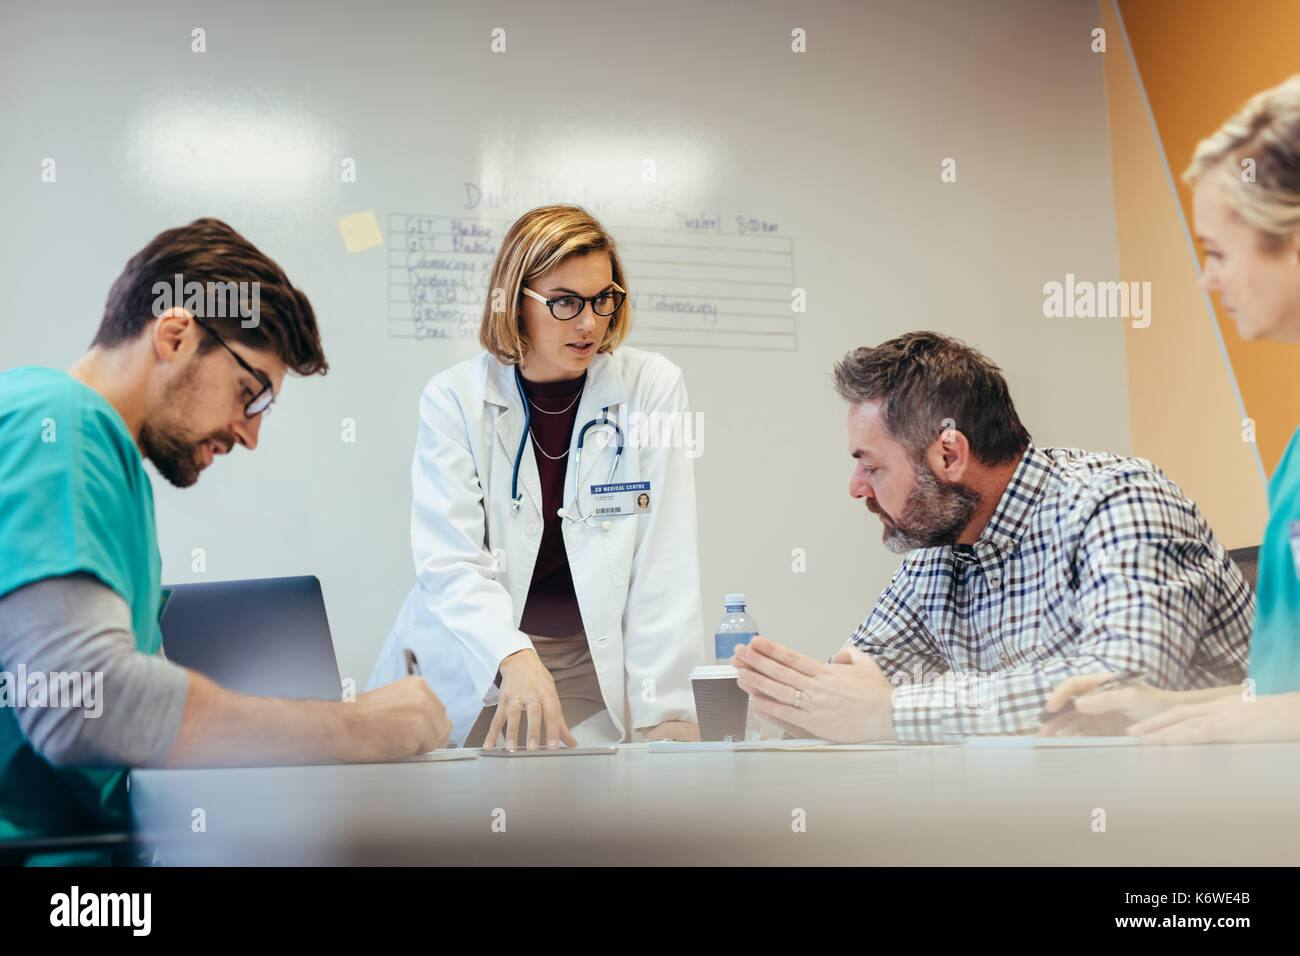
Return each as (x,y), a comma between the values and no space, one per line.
(1018,502)
(604,384)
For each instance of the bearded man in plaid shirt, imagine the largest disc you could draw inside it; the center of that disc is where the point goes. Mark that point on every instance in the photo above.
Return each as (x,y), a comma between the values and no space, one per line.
(1024,566)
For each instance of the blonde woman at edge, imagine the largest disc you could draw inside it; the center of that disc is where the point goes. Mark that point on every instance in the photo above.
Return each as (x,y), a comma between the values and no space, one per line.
(1250,231)
(534,615)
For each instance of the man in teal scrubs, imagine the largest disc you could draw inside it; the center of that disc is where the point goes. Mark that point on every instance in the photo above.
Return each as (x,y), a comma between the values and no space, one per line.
(178,375)
(77,499)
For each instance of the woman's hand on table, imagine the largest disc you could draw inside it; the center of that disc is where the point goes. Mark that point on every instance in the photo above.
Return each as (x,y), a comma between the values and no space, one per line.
(528,697)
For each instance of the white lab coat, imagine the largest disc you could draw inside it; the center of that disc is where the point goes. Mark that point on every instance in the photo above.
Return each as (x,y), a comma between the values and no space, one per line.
(636,578)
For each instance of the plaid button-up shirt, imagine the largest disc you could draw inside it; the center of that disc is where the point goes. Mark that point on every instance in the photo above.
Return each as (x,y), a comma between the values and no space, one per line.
(1090,563)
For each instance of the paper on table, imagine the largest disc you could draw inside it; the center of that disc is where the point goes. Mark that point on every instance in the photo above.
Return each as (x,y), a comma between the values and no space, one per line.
(800,746)
(689,746)
(818,746)
(1022,741)
(450,753)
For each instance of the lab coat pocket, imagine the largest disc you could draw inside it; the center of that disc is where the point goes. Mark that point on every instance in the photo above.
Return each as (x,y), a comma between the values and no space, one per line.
(620,544)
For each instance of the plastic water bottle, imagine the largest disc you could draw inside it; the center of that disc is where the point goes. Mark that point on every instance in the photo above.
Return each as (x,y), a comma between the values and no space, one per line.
(734,627)
(737,627)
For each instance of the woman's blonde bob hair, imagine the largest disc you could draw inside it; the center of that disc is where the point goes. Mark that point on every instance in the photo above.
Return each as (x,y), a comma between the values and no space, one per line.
(538,242)
(1264,192)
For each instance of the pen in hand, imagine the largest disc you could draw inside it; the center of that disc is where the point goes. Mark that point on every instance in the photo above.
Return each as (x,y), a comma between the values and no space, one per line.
(1068,707)
(412,665)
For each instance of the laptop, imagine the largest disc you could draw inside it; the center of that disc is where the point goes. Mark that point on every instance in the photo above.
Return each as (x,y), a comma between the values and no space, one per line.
(268,637)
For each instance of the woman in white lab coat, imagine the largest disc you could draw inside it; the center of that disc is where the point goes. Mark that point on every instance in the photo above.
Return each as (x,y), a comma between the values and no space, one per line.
(539,611)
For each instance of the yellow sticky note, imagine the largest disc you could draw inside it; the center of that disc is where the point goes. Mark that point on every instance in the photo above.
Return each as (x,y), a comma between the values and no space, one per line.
(361,231)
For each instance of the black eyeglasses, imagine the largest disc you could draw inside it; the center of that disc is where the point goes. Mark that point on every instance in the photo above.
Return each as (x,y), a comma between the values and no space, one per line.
(261,402)
(566,307)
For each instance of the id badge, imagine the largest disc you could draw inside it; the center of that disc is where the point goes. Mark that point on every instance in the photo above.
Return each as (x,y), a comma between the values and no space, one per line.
(627,498)
(1293,531)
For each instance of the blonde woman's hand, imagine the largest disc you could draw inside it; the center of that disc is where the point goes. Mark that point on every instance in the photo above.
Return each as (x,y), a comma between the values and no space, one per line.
(1231,718)
(528,696)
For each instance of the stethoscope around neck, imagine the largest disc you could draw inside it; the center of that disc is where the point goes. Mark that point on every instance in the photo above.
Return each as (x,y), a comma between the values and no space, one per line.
(517,496)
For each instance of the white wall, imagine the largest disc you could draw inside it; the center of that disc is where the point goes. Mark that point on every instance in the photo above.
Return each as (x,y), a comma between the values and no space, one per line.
(839,146)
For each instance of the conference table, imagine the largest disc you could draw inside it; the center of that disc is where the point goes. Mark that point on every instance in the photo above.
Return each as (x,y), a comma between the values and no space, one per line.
(1212,805)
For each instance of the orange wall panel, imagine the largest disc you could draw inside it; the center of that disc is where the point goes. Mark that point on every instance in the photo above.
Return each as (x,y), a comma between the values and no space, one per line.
(1199,61)
(1183,408)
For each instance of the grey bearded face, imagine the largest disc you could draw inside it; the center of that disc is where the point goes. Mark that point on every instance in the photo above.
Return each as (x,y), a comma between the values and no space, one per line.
(934,515)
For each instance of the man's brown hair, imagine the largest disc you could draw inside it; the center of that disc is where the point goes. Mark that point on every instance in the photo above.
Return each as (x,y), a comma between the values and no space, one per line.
(923,378)
(209,251)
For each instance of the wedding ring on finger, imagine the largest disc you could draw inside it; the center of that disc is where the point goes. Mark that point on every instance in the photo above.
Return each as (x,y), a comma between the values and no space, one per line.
(798,696)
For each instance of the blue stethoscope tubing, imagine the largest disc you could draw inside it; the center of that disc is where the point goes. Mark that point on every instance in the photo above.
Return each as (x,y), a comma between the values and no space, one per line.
(516,496)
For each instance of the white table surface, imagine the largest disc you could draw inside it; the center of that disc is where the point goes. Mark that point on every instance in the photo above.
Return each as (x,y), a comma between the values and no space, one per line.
(1208,805)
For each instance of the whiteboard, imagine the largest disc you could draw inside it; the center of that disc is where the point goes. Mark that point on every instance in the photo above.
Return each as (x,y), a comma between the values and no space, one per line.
(771,171)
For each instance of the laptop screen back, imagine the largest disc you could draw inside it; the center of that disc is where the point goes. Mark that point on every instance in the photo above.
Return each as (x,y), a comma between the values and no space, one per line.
(268,637)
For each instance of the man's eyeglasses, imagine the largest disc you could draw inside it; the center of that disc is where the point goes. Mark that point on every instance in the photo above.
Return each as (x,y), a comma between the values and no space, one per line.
(566,307)
(259,403)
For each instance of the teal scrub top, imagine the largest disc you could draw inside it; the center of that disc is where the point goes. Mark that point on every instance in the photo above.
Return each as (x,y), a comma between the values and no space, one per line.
(74,496)
(1275,643)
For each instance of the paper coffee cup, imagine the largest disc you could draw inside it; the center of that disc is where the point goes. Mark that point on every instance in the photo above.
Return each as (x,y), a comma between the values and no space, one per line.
(720,705)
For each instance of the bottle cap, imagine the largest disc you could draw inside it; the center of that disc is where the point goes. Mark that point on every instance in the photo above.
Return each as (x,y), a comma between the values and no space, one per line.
(734,599)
